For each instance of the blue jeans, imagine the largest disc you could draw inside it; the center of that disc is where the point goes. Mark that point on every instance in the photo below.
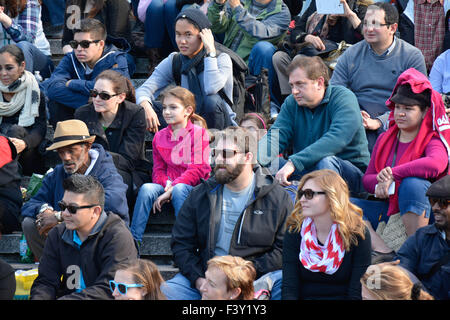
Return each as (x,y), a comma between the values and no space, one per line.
(347,170)
(35,60)
(160,17)
(179,287)
(55,10)
(261,57)
(411,198)
(148,193)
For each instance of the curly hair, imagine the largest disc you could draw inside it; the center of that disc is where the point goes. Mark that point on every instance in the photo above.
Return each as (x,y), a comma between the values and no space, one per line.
(347,215)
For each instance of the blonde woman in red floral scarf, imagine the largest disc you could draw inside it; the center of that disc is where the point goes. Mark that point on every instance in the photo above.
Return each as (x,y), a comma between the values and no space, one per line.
(326,246)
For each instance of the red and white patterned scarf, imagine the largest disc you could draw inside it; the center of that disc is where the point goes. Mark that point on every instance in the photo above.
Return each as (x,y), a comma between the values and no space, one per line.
(316,258)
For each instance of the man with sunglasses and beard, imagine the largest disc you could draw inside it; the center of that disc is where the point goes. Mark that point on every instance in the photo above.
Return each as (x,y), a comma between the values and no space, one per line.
(78,154)
(82,253)
(426,254)
(240,211)
(70,84)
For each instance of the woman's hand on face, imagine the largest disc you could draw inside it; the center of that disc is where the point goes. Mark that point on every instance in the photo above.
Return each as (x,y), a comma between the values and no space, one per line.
(19,144)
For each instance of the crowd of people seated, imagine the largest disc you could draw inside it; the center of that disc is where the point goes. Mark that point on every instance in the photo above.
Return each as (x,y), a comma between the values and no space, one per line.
(283,206)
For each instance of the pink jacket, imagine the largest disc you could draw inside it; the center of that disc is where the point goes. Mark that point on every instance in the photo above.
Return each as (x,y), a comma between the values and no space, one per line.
(181,159)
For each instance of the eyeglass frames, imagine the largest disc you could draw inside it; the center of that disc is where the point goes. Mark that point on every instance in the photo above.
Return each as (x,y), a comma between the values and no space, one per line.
(73,208)
(308,193)
(83,43)
(122,287)
(103,95)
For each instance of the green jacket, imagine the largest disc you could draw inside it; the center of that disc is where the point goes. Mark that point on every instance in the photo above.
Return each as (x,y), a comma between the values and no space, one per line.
(243,30)
(333,129)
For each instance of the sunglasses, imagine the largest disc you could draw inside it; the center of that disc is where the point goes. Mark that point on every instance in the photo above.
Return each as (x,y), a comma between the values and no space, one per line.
(122,287)
(83,43)
(226,153)
(443,203)
(103,95)
(308,193)
(73,208)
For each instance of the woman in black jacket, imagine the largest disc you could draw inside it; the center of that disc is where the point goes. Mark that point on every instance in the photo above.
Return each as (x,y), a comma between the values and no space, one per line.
(326,246)
(119,126)
(23,118)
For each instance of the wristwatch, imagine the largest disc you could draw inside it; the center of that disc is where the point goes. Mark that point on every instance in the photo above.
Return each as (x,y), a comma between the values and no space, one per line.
(44,207)
(211,54)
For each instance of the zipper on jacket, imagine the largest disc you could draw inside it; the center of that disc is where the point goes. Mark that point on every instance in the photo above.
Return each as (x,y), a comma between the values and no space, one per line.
(240,227)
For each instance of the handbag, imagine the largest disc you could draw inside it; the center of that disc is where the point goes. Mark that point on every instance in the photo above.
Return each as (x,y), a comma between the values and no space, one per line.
(393,232)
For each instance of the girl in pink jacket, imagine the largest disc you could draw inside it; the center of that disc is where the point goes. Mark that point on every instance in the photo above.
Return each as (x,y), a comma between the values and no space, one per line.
(180,159)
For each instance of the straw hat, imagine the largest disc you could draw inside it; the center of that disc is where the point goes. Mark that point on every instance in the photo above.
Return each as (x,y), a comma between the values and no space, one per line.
(70,132)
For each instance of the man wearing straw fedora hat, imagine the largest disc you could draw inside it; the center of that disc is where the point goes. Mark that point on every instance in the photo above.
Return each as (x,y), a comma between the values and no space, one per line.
(79,154)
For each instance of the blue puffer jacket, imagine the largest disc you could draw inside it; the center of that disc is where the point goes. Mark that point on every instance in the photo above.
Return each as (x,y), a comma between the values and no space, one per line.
(77,93)
(423,250)
(104,170)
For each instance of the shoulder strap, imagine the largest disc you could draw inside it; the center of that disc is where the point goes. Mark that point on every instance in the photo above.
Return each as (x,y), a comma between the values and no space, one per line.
(176,68)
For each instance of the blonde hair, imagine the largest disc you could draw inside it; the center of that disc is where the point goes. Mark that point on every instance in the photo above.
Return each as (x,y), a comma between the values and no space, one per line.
(240,273)
(347,215)
(145,272)
(391,282)
(187,98)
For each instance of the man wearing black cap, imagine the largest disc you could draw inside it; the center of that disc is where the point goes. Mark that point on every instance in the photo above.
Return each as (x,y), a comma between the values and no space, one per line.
(203,71)
(427,253)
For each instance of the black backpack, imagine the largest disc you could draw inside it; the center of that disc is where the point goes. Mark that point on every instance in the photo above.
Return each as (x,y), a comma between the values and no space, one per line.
(239,73)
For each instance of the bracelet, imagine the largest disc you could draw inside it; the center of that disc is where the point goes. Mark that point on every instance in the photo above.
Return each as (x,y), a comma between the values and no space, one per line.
(58,216)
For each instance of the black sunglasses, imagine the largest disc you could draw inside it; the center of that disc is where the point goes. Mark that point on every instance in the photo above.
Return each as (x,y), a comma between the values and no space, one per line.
(308,193)
(443,203)
(226,153)
(103,95)
(83,43)
(73,208)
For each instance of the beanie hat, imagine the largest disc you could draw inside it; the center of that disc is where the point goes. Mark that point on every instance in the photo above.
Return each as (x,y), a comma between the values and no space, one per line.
(196,17)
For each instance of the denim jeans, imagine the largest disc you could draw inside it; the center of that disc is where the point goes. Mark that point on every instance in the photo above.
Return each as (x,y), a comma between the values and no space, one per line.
(261,57)
(160,16)
(35,60)
(347,170)
(55,12)
(411,198)
(148,193)
(179,287)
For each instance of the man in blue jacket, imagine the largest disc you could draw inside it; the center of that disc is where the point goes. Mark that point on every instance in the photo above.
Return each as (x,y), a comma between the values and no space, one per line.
(426,254)
(79,155)
(70,84)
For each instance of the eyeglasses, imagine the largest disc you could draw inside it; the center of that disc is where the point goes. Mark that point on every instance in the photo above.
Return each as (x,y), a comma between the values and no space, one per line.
(122,287)
(103,95)
(443,203)
(226,153)
(83,43)
(73,208)
(308,193)
(375,25)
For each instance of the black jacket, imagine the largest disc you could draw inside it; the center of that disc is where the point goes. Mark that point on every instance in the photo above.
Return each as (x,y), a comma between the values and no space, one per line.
(10,194)
(124,138)
(258,234)
(109,244)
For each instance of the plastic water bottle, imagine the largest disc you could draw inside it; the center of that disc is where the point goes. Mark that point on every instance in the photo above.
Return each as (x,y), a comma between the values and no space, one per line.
(23,246)
(37,75)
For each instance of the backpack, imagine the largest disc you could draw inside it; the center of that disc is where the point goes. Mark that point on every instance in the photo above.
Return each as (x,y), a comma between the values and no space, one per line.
(257,93)
(239,73)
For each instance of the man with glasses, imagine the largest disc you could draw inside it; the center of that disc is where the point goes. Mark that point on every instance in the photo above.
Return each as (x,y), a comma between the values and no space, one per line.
(240,211)
(426,254)
(78,154)
(82,253)
(69,86)
(370,68)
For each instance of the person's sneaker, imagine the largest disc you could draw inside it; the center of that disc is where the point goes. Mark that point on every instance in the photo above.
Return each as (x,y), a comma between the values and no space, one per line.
(380,257)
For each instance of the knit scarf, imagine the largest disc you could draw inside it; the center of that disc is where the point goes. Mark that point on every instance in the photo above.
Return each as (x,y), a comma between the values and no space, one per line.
(435,124)
(26,98)
(316,258)
(192,68)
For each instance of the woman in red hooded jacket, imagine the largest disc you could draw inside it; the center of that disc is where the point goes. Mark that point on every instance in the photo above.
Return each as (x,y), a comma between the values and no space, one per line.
(411,154)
